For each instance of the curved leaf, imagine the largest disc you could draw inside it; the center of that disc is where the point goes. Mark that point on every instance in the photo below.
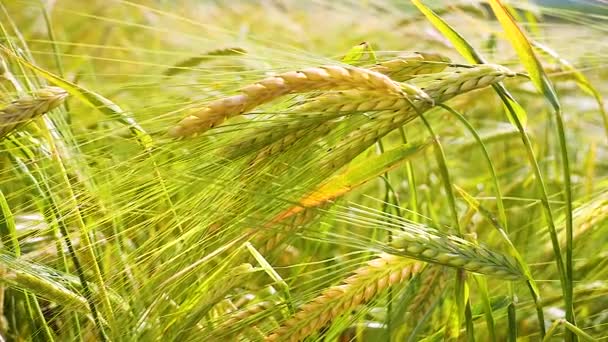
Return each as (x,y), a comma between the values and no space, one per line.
(358,173)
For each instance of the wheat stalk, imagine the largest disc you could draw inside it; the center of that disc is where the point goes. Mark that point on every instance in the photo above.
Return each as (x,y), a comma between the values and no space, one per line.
(26,108)
(311,79)
(366,283)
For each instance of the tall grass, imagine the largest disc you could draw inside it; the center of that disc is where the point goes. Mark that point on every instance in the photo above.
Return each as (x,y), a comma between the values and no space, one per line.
(218,171)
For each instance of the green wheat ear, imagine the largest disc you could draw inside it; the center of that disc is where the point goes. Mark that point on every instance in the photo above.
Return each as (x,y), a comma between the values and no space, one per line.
(430,245)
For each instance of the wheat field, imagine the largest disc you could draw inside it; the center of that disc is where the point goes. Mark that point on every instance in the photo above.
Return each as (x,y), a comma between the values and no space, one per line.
(283,170)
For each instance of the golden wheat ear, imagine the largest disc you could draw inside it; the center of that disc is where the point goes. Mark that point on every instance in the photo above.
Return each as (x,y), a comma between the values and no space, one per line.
(23,110)
(364,285)
(311,79)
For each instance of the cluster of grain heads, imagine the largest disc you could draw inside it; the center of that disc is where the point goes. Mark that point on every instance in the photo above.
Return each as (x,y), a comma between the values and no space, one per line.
(306,80)
(366,283)
(386,111)
(389,103)
(440,87)
(430,245)
(26,108)
(320,114)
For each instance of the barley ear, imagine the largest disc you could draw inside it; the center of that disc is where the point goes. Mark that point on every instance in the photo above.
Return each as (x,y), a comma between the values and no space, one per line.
(231,327)
(365,284)
(38,280)
(430,245)
(22,110)
(311,79)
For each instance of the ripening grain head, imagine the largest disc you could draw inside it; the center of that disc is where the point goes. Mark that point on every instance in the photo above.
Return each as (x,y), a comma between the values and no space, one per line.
(306,80)
(26,108)
(364,285)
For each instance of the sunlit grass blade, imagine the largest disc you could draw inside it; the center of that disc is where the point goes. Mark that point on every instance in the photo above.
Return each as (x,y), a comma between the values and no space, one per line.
(8,229)
(482,285)
(581,80)
(362,170)
(526,55)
